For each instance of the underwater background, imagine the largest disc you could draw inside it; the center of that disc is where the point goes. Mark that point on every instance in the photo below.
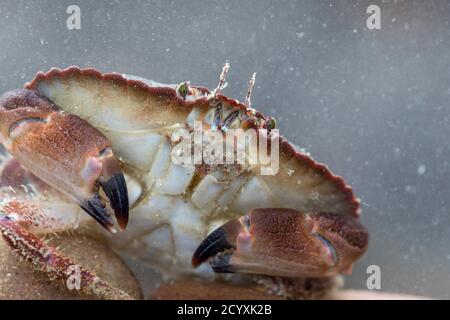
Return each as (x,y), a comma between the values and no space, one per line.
(371,104)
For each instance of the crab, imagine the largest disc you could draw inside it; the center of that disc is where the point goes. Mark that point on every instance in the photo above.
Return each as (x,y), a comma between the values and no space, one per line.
(80,144)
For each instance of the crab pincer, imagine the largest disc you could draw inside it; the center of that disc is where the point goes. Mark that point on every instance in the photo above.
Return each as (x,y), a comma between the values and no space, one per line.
(285,242)
(66,152)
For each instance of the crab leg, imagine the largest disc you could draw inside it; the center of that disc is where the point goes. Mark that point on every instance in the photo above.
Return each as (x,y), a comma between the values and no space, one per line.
(46,258)
(66,152)
(285,242)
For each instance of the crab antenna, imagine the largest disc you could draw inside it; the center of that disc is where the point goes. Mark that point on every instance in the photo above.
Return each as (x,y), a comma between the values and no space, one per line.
(223,76)
(251,84)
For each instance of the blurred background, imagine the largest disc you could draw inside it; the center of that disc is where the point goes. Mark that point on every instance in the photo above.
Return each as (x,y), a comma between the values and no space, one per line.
(371,104)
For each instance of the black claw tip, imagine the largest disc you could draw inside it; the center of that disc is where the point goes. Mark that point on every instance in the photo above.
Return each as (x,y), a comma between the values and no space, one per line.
(117,193)
(215,243)
(96,209)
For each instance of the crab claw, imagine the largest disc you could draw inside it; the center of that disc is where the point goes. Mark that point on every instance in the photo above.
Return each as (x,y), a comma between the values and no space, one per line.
(285,242)
(66,152)
(104,170)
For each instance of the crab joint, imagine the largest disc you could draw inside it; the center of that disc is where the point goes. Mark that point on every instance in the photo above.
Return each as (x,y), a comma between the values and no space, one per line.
(284,242)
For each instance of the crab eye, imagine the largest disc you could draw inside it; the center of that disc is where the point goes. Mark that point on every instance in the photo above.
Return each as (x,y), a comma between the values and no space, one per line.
(183,89)
(271,123)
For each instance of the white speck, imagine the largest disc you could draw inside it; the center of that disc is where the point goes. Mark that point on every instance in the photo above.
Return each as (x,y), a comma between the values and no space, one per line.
(42,42)
(410,189)
(397,153)
(421,169)
(168,49)
(300,35)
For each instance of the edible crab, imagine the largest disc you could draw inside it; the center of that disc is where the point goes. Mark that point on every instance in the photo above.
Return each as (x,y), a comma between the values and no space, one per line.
(78,141)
